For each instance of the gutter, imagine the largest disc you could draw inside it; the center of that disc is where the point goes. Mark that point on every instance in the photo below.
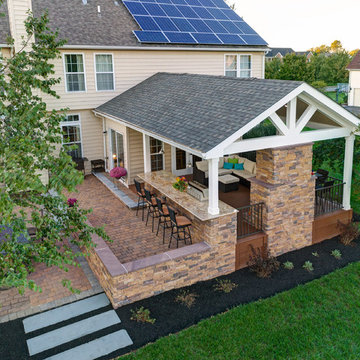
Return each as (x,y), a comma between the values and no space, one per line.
(159,48)
(150,133)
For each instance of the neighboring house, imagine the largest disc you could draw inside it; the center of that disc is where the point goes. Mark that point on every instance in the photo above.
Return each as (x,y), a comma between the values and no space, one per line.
(167,103)
(354,81)
(280,53)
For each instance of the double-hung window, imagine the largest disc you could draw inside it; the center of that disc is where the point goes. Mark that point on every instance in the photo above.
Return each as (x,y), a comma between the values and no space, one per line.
(104,72)
(238,66)
(74,72)
(71,130)
(156,154)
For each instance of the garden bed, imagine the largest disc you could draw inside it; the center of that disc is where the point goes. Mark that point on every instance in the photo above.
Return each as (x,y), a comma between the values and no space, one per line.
(171,316)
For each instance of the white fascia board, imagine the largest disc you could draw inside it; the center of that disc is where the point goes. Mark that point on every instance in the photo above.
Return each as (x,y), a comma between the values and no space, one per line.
(152,134)
(217,151)
(280,141)
(159,48)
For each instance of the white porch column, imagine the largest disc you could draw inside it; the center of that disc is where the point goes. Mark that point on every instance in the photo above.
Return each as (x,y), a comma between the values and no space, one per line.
(291,114)
(213,208)
(348,166)
(146,148)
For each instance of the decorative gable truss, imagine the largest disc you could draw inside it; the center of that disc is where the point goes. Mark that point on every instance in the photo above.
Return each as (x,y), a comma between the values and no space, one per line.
(304,115)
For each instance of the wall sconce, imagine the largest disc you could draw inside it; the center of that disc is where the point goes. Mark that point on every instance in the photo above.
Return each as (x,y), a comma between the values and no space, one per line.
(105,132)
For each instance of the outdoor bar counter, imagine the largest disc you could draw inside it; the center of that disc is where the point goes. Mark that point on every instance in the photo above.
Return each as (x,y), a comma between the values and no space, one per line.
(160,183)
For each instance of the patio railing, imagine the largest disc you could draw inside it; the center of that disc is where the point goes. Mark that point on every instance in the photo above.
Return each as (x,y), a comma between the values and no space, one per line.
(329,198)
(250,220)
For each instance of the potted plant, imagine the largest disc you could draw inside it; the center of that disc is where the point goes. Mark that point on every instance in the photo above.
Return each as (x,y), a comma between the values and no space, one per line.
(180,184)
(118,173)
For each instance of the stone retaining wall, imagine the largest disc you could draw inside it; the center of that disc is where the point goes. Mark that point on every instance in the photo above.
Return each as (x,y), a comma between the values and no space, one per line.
(139,279)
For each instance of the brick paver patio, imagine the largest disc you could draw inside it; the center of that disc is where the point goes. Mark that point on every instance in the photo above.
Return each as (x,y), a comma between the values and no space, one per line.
(132,239)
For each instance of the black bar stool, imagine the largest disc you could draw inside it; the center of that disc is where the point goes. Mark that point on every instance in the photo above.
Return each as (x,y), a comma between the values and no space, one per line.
(141,198)
(180,225)
(152,208)
(164,218)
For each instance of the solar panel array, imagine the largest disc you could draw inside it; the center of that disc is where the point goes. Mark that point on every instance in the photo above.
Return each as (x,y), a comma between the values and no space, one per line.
(190,22)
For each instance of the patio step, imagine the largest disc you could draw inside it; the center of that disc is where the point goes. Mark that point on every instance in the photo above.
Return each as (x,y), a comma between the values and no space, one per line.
(96,348)
(71,332)
(130,203)
(65,312)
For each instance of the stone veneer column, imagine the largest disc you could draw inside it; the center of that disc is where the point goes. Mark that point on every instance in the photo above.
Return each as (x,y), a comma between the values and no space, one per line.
(284,183)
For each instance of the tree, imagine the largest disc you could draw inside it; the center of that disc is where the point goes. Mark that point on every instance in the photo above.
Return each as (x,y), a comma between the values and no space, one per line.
(30,138)
(293,67)
(272,68)
(352,53)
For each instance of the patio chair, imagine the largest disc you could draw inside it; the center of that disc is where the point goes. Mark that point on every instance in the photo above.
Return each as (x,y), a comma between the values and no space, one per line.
(152,208)
(141,198)
(164,218)
(180,225)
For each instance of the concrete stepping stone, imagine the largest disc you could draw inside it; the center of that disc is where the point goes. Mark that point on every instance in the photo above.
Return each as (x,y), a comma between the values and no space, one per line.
(71,332)
(65,312)
(96,348)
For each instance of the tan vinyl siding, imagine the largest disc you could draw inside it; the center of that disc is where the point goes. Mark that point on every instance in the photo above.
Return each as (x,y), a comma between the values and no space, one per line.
(5,52)
(136,154)
(356,97)
(17,15)
(132,67)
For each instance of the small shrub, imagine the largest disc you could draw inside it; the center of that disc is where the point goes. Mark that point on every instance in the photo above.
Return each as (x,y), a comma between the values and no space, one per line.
(288,265)
(315,254)
(336,254)
(349,232)
(142,315)
(262,263)
(224,285)
(308,266)
(186,298)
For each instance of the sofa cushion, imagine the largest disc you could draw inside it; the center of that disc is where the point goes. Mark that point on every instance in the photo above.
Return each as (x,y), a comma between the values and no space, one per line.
(243,173)
(221,162)
(228,179)
(225,172)
(228,165)
(249,165)
(202,165)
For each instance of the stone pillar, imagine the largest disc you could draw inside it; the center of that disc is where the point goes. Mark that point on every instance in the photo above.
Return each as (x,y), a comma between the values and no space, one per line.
(284,183)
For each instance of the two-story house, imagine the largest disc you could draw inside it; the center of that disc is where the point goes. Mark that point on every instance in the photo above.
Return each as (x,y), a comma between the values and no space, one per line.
(102,58)
(354,81)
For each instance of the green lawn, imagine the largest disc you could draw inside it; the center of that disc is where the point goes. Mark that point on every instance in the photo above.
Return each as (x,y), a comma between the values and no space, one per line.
(319,320)
(342,97)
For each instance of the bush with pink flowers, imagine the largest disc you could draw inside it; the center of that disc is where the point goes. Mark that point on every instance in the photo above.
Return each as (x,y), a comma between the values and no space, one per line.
(118,172)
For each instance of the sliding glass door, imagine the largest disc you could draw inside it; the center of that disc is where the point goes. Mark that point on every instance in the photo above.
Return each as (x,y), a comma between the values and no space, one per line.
(116,149)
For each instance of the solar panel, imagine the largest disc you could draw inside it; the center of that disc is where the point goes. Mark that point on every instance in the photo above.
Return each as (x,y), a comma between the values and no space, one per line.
(190,22)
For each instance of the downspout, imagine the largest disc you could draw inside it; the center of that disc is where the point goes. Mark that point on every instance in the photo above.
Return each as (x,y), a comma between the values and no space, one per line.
(104,137)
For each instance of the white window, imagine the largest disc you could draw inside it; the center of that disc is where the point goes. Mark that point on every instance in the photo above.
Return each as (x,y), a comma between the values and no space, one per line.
(74,72)
(238,66)
(156,154)
(104,72)
(71,130)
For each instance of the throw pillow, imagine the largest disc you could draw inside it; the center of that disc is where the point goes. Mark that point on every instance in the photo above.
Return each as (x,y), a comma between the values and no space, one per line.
(228,165)
(239,166)
(233,161)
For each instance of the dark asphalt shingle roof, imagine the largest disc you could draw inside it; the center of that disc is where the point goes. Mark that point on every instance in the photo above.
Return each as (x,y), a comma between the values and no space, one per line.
(355,62)
(197,111)
(283,51)
(4,24)
(355,110)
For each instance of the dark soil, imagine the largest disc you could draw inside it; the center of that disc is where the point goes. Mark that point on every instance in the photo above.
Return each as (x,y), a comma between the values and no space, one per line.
(172,316)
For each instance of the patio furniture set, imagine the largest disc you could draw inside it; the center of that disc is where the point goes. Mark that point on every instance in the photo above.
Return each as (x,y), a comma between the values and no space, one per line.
(167,216)
(233,170)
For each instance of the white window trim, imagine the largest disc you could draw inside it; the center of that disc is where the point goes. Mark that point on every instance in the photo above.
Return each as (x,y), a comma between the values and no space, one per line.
(159,153)
(238,63)
(113,72)
(65,73)
(69,123)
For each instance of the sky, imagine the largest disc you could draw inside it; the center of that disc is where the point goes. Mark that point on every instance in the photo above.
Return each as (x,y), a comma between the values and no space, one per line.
(303,24)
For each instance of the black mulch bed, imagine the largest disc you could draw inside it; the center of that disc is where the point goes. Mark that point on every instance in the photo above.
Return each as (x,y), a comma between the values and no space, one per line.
(172,316)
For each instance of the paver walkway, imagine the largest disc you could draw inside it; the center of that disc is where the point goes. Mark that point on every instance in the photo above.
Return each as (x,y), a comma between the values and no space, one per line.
(61,335)
(132,239)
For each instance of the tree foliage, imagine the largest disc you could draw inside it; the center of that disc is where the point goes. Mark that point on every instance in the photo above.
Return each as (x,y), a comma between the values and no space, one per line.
(30,145)
(328,64)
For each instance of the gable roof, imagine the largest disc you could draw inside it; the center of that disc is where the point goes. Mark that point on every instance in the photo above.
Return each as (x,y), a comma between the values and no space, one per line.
(355,63)
(81,25)
(4,23)
(283,51)
(196,111)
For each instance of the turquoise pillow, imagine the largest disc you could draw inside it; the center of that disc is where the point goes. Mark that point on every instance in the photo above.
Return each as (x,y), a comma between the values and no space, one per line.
(233,161)
(228,166)
(239,166)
